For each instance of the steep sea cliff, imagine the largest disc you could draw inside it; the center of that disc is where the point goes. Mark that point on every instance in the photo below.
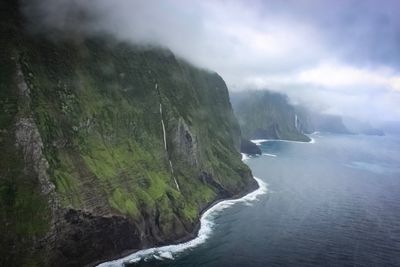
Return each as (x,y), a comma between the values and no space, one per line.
(106,147)
(268,115)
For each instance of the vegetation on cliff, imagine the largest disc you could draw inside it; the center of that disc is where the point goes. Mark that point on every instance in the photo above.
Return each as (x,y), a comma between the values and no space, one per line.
(267,115)
(106,147)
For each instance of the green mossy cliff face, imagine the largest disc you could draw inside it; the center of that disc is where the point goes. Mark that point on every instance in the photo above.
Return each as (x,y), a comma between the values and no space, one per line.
(106,147)
(267,115)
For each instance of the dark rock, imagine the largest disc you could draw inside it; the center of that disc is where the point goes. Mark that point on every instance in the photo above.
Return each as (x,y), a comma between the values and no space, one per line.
(249,147)
(208,179)
(82,237)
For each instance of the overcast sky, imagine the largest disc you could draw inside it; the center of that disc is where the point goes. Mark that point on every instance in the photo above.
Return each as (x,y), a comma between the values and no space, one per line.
(342,56)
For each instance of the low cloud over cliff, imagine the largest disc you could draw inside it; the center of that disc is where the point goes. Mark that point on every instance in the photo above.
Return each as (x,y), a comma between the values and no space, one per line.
(339,56)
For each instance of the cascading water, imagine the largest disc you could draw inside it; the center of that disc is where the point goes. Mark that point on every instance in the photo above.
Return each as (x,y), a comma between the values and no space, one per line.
(165,143)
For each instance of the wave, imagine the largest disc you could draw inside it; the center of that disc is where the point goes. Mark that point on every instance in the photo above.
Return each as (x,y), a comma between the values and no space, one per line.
(245,157)
(206,227)
(269,155)
(258,142)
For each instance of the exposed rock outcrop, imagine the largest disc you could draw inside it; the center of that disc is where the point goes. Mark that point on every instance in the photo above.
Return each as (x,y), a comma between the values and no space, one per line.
(186,144)
(28,138)
(249,148)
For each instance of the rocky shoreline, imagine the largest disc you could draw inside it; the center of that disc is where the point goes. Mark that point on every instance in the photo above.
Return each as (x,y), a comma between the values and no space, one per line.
(252,188)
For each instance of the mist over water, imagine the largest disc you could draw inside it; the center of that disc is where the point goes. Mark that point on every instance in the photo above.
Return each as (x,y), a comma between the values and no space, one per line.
(335,202)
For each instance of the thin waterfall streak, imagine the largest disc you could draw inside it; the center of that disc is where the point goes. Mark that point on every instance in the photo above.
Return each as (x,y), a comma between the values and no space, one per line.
(165,145)
(170,165)
(163,128)
(176,183)
(173,175)
(165,137)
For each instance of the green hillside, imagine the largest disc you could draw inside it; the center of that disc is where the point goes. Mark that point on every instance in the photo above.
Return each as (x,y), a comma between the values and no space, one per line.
(106,147)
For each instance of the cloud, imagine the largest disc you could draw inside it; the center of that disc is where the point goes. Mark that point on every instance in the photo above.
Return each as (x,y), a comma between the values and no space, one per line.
(370,94)
(331,54)
(345,76)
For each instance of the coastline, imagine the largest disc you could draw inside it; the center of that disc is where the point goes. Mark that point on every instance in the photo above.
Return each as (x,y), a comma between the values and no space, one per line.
(203,232)
(258,142)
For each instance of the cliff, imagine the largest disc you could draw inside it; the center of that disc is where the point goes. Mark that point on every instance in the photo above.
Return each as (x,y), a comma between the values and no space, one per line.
(267,115)
(329,123)
(249,147)
(358,126)
(106,147)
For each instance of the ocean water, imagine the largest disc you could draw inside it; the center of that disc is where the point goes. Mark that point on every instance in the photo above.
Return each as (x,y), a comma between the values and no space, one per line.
(334,202)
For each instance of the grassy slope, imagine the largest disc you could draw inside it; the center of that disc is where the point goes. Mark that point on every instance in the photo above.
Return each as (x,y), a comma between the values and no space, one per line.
(97,111)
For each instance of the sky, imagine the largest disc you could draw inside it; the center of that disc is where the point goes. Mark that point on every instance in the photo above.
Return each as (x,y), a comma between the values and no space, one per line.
(341,57)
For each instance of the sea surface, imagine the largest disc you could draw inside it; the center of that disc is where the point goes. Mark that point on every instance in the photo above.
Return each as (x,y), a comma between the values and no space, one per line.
(334,202)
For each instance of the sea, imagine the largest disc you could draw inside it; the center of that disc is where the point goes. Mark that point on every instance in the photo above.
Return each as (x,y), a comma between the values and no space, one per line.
(331,202)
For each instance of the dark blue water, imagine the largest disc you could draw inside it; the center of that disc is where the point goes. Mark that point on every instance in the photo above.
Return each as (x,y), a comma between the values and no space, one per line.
(332,203)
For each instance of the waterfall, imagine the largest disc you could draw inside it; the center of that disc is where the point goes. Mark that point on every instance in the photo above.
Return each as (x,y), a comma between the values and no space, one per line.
(172,171)
(163,128)
(296,122)
(165,143)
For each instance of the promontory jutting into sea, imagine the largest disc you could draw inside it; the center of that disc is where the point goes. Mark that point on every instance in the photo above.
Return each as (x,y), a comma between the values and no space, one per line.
(202,133)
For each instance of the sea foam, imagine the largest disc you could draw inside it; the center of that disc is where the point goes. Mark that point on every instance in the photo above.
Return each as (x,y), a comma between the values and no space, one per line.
(245,157)
(258,142)
(206,228)
(269,155)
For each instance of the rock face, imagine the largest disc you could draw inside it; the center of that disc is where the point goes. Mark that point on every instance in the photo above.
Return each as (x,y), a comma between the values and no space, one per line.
(249,147)
(329,123)
(109,147)
(267,115)
(186,144)
(269,132)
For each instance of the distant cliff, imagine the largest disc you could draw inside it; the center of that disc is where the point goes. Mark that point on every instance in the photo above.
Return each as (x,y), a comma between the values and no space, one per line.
(358,126)
(328,123)
(267,115)
(106,147)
